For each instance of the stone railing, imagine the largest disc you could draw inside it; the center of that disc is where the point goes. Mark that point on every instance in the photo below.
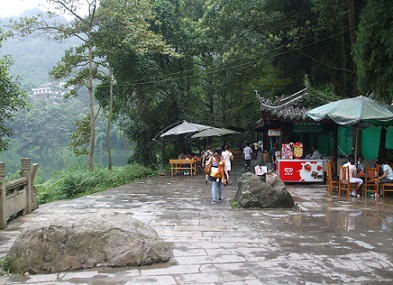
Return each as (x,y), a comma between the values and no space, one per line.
(19,195)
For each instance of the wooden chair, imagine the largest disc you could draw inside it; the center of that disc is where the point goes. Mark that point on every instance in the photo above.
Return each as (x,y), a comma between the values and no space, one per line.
(369,181)
(386,187)
(330,183)
(344,184)
(237,155)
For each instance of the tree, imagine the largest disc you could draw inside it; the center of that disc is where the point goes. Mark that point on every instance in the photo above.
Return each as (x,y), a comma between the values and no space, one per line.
(12,98)
(77,62)
(373,49)
(237,47)
(157,88)
(124,26)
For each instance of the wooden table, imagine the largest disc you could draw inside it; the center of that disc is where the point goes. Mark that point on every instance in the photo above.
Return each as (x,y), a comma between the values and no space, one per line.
(189,165)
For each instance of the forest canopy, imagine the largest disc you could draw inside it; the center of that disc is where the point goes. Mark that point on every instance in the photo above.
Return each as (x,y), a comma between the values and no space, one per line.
(202,60)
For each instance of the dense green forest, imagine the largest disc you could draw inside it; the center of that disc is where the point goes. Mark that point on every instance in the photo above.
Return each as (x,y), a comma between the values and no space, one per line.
(150,64)
(45,128)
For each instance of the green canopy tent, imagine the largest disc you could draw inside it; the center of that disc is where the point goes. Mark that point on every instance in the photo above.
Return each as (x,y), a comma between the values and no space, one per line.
(351,111)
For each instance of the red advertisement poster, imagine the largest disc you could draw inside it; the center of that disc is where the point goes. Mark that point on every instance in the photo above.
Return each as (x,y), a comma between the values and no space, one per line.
(301,170)
(286,151)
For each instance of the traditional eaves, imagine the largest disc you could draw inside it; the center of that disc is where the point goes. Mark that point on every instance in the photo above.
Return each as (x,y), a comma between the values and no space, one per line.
(293,107)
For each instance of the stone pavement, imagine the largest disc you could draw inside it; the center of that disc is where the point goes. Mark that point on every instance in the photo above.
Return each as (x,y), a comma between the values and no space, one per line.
(324,240)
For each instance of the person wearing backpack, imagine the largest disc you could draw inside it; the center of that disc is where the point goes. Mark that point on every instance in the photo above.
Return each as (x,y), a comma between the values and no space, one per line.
(205,158)
(217,174)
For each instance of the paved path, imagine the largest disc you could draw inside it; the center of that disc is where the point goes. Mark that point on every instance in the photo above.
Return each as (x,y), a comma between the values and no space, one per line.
(325,240)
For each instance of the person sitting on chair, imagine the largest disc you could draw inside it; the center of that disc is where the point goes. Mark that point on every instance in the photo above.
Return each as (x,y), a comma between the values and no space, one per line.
(387,174)
(315,154)
(361,165)
(352,175)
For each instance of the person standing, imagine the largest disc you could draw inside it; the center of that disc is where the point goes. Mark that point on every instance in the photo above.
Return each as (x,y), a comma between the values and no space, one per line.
(205,158)
(260,146)
(247,151)
(273,156)
(217,163)
(255,151)
(227,156)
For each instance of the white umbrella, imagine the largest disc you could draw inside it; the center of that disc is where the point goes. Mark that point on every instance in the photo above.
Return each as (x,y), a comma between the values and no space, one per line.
(185,128)
(214,132)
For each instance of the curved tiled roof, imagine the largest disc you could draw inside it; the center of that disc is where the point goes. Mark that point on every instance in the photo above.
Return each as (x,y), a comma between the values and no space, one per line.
(292,107)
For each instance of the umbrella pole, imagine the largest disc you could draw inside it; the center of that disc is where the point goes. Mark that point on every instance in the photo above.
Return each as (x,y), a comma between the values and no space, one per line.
(161,171)
(357,142)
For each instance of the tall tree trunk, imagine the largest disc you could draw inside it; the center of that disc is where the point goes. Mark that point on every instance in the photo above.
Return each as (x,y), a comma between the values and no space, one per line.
(108,129)
(92,114)
(352,38)
(355,88)
(342,91)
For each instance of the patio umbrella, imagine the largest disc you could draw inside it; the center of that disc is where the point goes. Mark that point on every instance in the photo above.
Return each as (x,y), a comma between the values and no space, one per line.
(214,132)
(352,111)
(185,128)
(359,111)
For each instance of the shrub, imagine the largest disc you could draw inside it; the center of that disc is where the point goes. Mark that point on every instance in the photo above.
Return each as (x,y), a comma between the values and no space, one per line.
(77,182)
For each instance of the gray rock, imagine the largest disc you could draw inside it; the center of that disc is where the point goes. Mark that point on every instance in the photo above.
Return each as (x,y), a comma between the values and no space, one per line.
(254,192)
(86,241)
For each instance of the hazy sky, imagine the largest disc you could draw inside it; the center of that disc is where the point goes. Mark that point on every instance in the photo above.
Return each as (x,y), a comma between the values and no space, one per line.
(9,8)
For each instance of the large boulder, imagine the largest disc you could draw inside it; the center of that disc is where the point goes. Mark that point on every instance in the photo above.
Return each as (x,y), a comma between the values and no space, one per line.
(86,241)
(254,192)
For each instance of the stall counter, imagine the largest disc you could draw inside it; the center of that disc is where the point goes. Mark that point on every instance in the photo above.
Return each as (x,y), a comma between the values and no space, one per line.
(301,170)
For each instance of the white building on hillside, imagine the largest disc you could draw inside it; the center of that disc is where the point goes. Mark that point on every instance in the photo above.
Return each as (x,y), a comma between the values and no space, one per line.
(49,91)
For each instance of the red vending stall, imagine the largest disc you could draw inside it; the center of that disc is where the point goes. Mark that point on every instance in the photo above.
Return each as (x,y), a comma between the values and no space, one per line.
(293,169)
(301,170)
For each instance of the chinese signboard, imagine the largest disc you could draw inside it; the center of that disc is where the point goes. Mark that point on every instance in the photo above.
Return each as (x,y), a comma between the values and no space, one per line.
(307,127)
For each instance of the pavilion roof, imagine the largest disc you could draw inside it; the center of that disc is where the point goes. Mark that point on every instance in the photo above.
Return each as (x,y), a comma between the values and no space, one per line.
(292,108)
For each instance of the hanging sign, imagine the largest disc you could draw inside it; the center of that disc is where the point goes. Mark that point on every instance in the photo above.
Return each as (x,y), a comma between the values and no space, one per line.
(273,132)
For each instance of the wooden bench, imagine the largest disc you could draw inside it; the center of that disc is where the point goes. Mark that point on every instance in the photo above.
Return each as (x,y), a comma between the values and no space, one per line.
(188,165)
(386,187)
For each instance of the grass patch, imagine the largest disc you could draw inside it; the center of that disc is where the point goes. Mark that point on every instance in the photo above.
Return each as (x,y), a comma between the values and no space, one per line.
(77,181)
(5,265)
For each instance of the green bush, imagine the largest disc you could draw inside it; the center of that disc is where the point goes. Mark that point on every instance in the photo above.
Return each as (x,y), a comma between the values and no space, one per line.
(5,265)
(77,181)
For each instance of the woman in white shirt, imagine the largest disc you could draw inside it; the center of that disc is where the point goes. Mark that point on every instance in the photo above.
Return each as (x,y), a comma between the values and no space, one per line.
(227,156)
(352,175)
